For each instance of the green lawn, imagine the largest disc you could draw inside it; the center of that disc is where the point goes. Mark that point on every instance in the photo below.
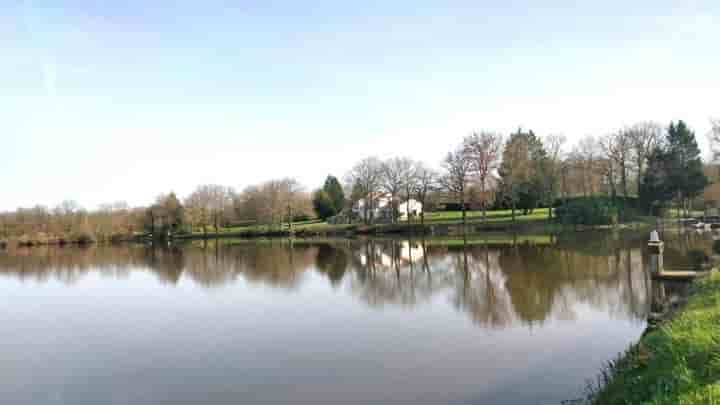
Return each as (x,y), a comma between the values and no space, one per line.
(309,225)
(676,364)
(431,218)
(492,216)
(675,213)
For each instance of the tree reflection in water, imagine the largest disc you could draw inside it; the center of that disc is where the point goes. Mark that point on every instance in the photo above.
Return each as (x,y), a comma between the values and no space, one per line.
(498,284)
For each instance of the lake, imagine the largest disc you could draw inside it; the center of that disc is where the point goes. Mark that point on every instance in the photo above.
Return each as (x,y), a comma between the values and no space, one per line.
(496,320)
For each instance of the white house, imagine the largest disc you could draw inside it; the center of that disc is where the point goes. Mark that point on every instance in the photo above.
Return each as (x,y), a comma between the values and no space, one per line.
(412,206)
(381,209)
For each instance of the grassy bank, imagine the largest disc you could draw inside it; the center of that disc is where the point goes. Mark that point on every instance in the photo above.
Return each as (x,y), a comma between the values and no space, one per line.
(679,363)
(434,222)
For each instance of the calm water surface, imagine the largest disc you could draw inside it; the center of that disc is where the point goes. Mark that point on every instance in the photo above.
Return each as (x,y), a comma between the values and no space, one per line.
(524,321)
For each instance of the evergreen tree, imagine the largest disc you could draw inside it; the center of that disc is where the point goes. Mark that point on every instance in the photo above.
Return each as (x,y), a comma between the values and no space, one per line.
(687,178)
(674,170)
(335,193)
(656,188)
(174,211)
(323,204)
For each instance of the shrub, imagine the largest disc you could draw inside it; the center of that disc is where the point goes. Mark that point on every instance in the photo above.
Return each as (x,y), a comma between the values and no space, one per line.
(25,240)
(597,210)
(83,238)
(341,218)
(301,217)
(119,237)
(590,211)
(697,258)
(716,246)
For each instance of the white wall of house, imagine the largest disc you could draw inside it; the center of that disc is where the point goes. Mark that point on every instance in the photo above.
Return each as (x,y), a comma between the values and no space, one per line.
(381,208)
(414,206)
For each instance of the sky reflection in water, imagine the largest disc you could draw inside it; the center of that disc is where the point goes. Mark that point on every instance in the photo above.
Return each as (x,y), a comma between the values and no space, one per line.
(314,322)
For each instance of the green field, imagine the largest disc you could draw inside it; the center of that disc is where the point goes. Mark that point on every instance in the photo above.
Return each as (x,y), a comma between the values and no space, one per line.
(677,364)
(492,216)
(431,218)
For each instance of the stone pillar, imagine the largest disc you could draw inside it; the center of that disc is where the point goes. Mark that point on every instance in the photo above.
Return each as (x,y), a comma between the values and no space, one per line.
(656,247)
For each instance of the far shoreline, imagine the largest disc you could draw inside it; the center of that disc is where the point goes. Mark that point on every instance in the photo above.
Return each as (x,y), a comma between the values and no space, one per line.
(412,230)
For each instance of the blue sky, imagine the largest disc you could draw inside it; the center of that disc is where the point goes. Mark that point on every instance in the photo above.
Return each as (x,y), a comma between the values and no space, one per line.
(102,101)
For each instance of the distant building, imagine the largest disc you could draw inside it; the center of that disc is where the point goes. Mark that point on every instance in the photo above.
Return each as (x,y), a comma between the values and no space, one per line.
(379,208)
(412,206)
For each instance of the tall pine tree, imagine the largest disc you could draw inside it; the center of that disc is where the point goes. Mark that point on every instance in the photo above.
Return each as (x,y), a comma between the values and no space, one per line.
(674,170)
(335,192)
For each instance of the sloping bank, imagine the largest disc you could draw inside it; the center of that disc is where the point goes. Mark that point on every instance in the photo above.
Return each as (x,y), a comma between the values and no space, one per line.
(437,229)
(375,229)
(677,363)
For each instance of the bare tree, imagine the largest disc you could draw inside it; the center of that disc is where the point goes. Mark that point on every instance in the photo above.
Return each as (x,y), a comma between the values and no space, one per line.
(295,197)
(483,150)
(714,138)
(618,148)
(643,138)
(67,213)
(197,208)
(456,177)
(608,145)
(273,202)
(623,158)
(556,166)
(410,184)
(426,181)
(394,173)
(586,154)
(365,177)
(219,199)
(206,206)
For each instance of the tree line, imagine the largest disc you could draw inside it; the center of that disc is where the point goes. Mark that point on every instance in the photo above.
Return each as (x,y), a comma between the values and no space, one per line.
(524,171)
(521,172)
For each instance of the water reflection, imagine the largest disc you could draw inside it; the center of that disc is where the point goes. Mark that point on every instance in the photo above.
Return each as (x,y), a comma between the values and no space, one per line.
(507,320)
(500,286)
(496,283)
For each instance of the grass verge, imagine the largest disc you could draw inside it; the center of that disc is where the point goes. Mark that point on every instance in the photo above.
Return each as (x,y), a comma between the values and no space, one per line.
(500,218)
(679,363)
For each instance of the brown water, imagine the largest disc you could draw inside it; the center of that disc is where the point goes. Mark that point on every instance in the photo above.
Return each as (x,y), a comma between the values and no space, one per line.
(319,322)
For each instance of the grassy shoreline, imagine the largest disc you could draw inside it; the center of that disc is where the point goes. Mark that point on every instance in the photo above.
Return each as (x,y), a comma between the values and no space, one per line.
(677,363)
(435,224)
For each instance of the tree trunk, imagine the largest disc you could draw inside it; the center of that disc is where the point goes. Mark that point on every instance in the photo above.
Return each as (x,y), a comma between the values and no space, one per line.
(407,206)
(512,209)
(290,219)
(564,188)
(623,178)
(484,201)
(462,203)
